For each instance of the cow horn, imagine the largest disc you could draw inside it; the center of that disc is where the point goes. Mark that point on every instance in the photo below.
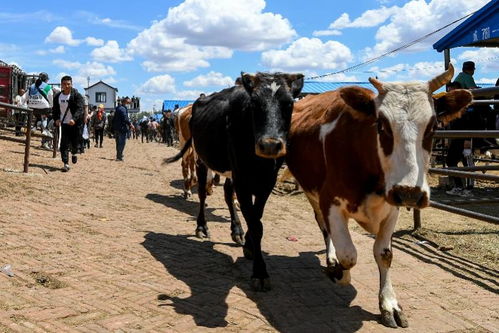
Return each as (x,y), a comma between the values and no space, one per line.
(441,79)
(377,84)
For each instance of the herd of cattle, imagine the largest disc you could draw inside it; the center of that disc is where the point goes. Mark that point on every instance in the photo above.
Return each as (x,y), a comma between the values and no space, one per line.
(355,154)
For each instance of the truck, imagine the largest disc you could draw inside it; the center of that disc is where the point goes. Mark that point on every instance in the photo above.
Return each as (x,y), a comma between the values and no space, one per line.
(12,78)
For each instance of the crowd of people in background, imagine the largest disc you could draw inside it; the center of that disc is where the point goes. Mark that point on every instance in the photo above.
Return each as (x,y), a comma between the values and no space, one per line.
(66,113)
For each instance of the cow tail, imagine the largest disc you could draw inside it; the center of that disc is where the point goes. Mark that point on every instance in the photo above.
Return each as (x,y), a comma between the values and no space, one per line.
(180,154)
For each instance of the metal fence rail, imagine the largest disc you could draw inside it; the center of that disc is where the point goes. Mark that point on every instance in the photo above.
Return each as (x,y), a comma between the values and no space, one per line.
(465,212)
(463,172)
(28,131)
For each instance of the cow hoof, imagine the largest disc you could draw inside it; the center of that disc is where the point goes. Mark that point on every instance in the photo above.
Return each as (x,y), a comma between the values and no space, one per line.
(338,275)
(258,284)
(238,239)
(395,319)
(248,254)
(202,233)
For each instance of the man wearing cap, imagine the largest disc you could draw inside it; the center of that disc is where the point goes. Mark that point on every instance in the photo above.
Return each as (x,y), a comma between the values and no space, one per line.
(465,78)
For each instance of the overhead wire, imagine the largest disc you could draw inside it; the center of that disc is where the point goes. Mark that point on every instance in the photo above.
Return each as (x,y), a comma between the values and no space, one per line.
(405,46)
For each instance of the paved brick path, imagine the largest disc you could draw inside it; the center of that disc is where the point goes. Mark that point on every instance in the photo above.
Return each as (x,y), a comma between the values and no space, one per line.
(108,247)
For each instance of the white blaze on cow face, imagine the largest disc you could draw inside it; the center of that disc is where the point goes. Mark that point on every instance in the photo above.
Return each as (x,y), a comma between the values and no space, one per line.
(404,112)
(274,87)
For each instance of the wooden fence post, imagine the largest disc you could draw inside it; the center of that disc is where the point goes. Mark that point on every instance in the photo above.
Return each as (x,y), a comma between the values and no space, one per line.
(28,141)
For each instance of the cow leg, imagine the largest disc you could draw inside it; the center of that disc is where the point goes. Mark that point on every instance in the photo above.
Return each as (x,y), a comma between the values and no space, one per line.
(341,252)
(252,245)
(187,177)
(202,172)
(209,182)
(237,232)
(391,312)
(334,270)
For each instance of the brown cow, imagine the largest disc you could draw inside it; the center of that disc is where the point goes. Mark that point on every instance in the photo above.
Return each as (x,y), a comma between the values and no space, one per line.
(361,156)
(189,158)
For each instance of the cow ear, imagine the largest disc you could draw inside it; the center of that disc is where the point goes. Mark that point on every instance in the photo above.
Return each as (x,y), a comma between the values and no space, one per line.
(361,100)
(295,82)
(452,105)
(249,82)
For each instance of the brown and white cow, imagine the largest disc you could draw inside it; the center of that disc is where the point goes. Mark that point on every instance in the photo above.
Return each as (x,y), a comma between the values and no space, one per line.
(189,158)
(362,156)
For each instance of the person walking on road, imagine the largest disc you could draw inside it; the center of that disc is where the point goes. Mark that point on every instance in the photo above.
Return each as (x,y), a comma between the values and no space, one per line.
(121,125)
(99,123)
(68,114)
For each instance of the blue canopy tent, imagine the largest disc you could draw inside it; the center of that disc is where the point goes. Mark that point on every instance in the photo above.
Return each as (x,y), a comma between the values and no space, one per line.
(479,30)
(169,104)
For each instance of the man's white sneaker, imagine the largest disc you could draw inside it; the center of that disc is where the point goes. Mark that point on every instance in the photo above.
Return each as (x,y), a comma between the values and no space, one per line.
(466,194)
(65,168)
(457,191)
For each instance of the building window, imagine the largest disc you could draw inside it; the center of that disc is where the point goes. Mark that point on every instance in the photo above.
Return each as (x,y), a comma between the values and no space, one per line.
(100,97)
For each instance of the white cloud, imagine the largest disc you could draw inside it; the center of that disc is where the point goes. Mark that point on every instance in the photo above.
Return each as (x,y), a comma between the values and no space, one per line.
(92,41)
(189,94)
(236,24)
(486,80)
(161,84)
(421,71)
(58,50)
(41,15)
(199,30)
(340,77)
(416,19)
(80,72)
(110,52)
(369,18)
(118,24)
(319,33)
(486,59)
(96,70)
(66,64)
(210,79)
(167,53)
(62,35)
(308,54)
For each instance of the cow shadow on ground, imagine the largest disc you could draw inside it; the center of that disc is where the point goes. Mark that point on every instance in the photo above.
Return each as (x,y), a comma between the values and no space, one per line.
(188,207)
(179,184)
(429,252)
(302,298)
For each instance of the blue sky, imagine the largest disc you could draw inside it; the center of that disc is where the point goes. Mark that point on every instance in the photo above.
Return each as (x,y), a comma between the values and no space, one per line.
(177,49)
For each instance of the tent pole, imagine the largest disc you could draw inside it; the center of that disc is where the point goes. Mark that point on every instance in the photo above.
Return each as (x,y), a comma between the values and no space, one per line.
(446,58)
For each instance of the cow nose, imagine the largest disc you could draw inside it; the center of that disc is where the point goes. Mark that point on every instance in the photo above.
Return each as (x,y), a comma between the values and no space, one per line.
(270,148)
(408,196)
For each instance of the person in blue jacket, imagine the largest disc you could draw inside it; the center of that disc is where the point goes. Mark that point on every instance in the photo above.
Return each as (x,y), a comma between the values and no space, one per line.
(121,124)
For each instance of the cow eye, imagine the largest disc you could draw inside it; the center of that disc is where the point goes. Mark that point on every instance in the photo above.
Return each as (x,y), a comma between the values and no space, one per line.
(384,127)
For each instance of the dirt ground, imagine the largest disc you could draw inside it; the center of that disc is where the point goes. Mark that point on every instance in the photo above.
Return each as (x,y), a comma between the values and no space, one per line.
(109,247)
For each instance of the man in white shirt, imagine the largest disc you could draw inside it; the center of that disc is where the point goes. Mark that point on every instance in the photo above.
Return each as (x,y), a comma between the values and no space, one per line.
(20,116)
(68,113)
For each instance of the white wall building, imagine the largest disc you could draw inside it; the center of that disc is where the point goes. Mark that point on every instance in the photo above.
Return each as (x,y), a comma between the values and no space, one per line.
(102,93)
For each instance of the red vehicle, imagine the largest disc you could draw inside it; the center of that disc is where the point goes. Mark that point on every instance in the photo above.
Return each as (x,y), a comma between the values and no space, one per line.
(12,78)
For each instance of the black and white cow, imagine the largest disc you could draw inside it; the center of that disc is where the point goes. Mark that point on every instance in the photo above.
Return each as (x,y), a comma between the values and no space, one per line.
(241,132)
